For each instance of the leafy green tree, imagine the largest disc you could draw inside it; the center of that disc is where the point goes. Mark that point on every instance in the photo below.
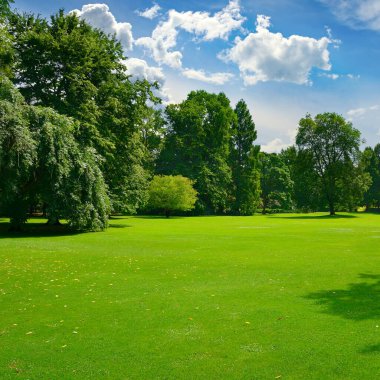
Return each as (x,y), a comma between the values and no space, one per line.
(77,70)
(370,161)
(306,191)
(5,7)
(18,155)
(276,184)
(244,162)
(40,161)
(172,193)
(331,146)
(197,146)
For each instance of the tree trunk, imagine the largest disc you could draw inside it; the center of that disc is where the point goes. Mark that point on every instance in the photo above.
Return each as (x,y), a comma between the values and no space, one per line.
(332,208)
(167,213)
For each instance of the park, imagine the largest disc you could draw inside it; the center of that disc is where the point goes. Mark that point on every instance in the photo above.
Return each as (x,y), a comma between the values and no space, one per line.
(171,211)
(261,297)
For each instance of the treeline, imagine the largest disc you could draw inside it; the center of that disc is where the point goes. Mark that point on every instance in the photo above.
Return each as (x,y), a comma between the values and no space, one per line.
(81,139)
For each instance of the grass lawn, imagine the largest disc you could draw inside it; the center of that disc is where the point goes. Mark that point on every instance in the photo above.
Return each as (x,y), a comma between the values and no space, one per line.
(264,297)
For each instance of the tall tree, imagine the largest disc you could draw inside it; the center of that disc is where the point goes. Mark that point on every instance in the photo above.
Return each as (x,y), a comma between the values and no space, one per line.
(244,162)
(371,164)
(276,184)
(331,146)
(197,146)
(77,70)
(40,161)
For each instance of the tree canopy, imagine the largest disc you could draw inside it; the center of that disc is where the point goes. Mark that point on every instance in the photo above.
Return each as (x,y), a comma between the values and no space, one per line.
(172,193)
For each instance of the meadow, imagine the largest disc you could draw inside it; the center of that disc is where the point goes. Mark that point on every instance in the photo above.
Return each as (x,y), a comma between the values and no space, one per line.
(262,297)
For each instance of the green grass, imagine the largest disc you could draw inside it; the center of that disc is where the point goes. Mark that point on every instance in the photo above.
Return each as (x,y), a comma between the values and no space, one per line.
(296,296)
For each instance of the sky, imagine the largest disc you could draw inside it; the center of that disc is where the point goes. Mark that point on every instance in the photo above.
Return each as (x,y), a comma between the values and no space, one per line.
(285,58)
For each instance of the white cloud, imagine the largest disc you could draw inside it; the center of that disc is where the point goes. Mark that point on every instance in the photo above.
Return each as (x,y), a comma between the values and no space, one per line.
(150,13)
(277,145)
(330,76)
(274,146)
(140,70)
(264,56)
(359,112)
(214,78)
(201,24)
(99,16)
(358,14)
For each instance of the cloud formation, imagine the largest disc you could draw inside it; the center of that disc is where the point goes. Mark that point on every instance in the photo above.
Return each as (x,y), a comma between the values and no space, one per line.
(214,78)
(99,16)
(150,13)
(140,70)
(358,14)
(204,26)
(358,112)
(264,56)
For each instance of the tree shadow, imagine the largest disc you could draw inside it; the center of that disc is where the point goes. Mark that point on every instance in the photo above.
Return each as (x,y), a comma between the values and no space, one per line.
(325,217)
(116,225)
(371,349)
(36,230)
(359,302)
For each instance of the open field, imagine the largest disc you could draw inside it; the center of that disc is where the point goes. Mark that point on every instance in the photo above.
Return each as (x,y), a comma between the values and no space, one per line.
(264,297)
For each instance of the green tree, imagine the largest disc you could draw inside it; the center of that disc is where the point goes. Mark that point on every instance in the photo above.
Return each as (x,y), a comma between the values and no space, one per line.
(77,70)
(370,161)
(244,162)
(276,184)
(331,146)
(40,161)
(197,146)
(5,7)
(306,191)
(172,193)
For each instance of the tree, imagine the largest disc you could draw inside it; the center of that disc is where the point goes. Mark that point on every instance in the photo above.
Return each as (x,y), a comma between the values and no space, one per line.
(40,161)
(371,163)
(276,184)
(172,193)
(197,146)
(5,7)
(306,191)
(78,71)
(244,162)
(331,146)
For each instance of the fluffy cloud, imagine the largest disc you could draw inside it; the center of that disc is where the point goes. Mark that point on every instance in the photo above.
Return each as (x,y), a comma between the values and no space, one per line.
(201,24)
(274,146)
(140,70)
(200,75)
(358,112)
(99,16)
(150,13)
(265,56)
(360,14)
(277,145)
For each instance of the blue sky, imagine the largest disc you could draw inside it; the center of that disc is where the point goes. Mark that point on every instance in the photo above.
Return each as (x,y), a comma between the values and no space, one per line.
(284,57)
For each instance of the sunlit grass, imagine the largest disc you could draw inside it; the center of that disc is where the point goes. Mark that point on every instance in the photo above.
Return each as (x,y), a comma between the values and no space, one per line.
(296,296)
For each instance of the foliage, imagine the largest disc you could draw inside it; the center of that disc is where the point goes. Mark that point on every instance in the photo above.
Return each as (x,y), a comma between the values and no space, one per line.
(77,70)
(244,162)
(276,184)
(172,193)
(330,148)
(370,161)
(41,162)
(197,146)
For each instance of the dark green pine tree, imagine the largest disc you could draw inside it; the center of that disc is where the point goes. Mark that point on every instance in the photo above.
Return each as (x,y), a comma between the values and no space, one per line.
(244,162)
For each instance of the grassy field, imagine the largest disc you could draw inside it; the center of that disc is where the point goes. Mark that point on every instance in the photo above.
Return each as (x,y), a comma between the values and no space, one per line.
(264,297)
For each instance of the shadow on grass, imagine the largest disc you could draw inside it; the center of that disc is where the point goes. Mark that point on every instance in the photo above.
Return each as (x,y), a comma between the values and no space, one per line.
(159,217)
(359,302)
(325,217)
(115,225)
(36,230)
(371,349)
